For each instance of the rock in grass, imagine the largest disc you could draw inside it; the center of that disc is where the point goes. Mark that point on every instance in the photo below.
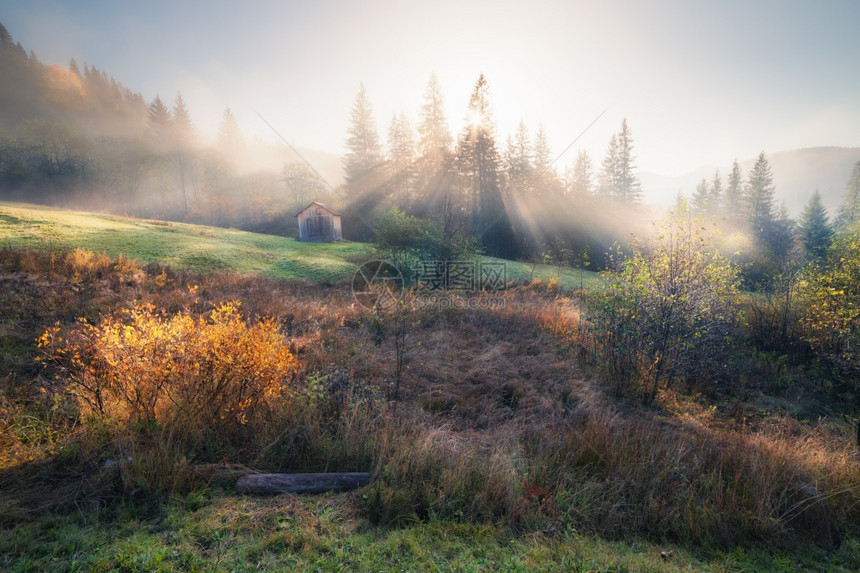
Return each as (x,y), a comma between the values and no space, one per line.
(272,484)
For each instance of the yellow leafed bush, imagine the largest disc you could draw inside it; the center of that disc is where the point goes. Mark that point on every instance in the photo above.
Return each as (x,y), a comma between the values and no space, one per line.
(198,379)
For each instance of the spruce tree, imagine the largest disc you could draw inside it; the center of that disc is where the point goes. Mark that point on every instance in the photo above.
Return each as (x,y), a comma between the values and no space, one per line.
(434,135)
(363,152)
(158,116)
(701,198)
(716,197)
(478,165)
(815,231)
(760,196)
(734,199)
(628,188)
(518,160)
(608,184)
(580,177)
(181,122)
(401,153)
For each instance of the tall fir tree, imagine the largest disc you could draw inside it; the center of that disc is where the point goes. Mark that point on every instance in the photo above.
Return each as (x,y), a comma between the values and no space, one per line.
(401,154)
(734,201)
(760,197)
(814,227)
(580,176)
(716,197)
(608,180)
(181,120)
(849,211)
(363,151)
(434,135)
(628,188)
(158,117)
(478,164)
(701,198)
(230,143)
(518,160)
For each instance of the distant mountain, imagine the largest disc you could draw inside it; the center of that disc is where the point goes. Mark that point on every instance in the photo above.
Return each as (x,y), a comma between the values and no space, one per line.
(796,175)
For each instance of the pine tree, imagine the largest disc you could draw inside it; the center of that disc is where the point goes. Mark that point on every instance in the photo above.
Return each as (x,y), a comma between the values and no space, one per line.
(815,231)
(73,67)
(734,200)
(401,153)
(518,160)
(478,163)
(434,141)
(608,184)
(181,122)
(628,188)
(363,152)
(760,193)
(701,197)
(849,212)
(230,142)
(477,156)
(716,197)
(580,178)
(158,116)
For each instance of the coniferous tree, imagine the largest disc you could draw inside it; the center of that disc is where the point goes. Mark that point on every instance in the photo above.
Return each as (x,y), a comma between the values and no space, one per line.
(158,116)
(434,135)
(814,227)
(401,153)
(608,184)
(701,198)
(73,67)
(478,164)
(716,196)
(849,212)
(363,151)
(734,196)
(760,193)
(181,121)
(229,136)
(518,160)
(628,188)
(546,178)
(183,133)
(580,176)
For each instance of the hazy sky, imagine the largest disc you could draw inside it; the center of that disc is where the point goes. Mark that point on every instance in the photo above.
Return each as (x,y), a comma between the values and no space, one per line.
(699,82)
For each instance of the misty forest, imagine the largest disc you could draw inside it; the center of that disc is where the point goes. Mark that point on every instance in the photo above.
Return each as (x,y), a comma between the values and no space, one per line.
(685,377)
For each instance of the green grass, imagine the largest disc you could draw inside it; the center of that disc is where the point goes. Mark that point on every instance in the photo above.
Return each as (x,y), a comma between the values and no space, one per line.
(193,247)
(318,533)
(212,249)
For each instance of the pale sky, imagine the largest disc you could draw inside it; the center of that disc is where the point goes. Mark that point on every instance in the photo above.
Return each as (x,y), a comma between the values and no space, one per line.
(701,83)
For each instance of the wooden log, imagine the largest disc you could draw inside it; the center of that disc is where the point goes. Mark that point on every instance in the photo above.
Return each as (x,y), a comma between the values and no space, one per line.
(272,484)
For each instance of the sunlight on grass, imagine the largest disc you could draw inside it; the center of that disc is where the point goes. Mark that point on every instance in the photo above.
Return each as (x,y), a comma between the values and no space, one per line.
(209,249)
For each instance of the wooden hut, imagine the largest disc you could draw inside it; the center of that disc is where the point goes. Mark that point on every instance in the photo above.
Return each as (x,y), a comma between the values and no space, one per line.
(319,223)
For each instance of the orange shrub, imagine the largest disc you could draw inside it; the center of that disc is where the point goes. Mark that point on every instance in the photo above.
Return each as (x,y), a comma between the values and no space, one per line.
(191,377)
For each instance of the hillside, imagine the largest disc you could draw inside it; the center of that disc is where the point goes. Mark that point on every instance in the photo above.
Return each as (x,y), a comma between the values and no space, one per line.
(796,175)
(186,246)
(207,249)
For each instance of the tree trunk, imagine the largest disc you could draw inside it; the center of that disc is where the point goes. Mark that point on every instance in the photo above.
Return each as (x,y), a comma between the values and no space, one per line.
(272,484)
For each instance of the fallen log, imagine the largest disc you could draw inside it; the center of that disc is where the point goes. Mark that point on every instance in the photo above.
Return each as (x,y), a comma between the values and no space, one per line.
(273,484)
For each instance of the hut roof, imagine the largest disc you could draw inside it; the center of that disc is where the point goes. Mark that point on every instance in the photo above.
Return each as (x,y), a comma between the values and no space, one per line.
(323,205)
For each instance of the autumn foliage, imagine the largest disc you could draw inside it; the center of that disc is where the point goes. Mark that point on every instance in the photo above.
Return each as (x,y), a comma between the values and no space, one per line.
(202,379)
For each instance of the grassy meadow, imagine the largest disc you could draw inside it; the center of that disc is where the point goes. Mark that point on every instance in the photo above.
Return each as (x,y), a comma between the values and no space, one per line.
(494,435)
(212,249)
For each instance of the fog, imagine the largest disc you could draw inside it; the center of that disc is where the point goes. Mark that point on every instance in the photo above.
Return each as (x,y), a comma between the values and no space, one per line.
(76,136)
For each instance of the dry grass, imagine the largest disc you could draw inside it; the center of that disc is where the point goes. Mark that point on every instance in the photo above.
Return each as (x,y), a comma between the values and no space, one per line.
(499,418)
